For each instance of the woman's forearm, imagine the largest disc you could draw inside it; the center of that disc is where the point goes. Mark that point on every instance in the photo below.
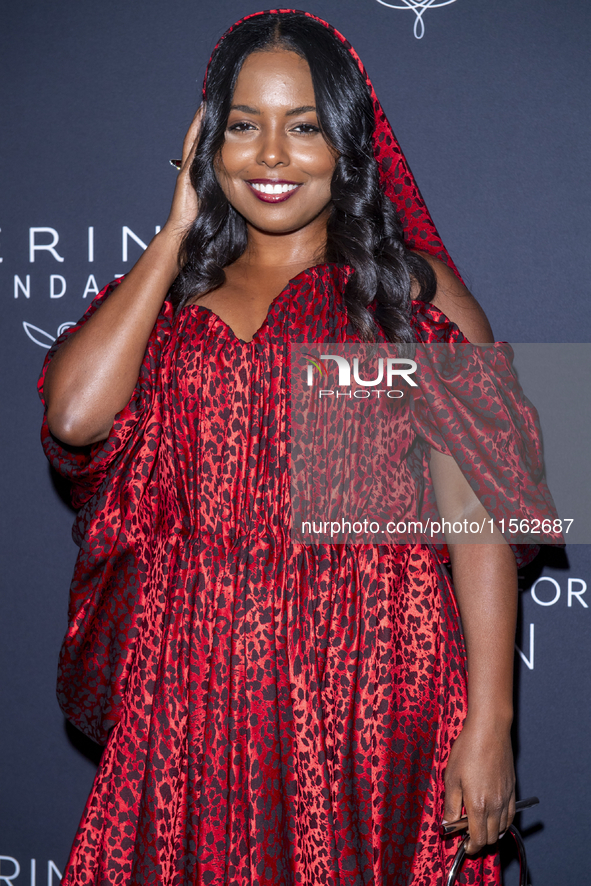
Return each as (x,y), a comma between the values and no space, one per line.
(93,374)
(485,582)
(480,775)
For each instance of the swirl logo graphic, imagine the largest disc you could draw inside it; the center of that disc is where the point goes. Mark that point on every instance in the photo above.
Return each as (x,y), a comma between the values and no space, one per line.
(42,338)
(419,7)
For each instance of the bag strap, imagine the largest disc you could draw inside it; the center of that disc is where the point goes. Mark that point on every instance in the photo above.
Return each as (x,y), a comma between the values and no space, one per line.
(461,854)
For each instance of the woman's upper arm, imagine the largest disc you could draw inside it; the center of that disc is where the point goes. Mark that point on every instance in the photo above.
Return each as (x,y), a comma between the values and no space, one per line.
(458,304)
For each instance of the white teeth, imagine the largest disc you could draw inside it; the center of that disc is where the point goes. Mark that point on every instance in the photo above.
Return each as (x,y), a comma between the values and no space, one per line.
(273,189)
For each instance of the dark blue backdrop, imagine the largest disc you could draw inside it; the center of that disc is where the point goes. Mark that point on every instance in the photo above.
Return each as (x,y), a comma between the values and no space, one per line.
(491,108)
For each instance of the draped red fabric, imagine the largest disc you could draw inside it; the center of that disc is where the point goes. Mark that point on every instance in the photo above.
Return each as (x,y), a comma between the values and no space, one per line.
(395,173)
(273,713)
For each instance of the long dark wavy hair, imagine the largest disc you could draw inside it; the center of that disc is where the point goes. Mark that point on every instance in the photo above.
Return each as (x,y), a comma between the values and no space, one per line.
(364,231)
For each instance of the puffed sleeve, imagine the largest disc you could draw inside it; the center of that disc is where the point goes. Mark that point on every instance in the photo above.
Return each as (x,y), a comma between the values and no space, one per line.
(469,404)
(87,467)
(115,487)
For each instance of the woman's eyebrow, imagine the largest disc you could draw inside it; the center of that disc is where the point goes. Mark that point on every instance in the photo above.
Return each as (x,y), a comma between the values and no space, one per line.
(303,110)
(246,109)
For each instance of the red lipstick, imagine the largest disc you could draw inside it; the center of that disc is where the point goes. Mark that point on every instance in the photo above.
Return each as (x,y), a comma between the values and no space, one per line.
(273,190)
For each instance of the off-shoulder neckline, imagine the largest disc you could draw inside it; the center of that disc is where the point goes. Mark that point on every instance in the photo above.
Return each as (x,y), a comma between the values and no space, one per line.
(313,271)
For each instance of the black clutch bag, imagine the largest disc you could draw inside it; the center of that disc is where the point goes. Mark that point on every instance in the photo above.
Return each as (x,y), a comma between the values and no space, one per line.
(461,824)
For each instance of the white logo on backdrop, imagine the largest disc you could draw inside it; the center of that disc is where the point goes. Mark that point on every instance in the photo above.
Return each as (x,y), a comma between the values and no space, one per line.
(26,286)
(42,338)
(546,591)
(419,7)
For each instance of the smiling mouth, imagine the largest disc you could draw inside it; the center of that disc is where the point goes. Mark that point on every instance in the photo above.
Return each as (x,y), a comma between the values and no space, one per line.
(273,192)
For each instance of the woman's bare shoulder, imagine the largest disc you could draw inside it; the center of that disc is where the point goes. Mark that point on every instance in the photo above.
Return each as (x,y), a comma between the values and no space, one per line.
(457,303)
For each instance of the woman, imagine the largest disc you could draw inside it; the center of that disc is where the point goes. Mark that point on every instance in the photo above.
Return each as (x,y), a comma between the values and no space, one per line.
(272,712)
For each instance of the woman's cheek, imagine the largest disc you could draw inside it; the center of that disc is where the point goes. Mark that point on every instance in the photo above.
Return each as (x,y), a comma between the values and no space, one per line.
(310,162)
(235,157)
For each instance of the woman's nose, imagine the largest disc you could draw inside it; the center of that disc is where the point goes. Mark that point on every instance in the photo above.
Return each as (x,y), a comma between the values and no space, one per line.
(273,150)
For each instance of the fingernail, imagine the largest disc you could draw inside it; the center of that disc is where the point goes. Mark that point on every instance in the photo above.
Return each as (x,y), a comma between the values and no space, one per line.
(445,821)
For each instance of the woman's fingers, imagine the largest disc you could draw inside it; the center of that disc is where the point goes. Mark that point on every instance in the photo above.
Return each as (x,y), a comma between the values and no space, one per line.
(192,136)
(507,816)
(487,822)
(478,830)
(480,778)
(185,204)
(453,803)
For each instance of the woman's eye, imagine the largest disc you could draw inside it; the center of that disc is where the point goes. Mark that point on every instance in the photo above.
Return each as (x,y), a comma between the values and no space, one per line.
(306,128)
(243,126)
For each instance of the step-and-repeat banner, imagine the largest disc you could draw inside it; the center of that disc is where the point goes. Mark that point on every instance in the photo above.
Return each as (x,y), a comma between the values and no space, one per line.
(490,103)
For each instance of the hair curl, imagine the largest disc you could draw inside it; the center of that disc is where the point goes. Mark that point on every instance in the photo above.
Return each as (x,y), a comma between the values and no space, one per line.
(363,231)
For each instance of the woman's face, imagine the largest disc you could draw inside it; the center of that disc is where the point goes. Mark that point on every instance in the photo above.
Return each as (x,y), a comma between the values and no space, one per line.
(275,166)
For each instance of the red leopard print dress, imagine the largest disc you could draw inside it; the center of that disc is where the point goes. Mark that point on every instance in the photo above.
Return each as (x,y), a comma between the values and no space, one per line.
(274,713)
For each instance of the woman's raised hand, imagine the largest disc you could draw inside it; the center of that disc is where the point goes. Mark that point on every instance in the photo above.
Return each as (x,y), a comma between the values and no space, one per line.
(93,374)
(183,211)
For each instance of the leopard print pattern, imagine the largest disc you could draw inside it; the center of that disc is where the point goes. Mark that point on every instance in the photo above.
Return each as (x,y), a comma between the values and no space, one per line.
(273,712)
